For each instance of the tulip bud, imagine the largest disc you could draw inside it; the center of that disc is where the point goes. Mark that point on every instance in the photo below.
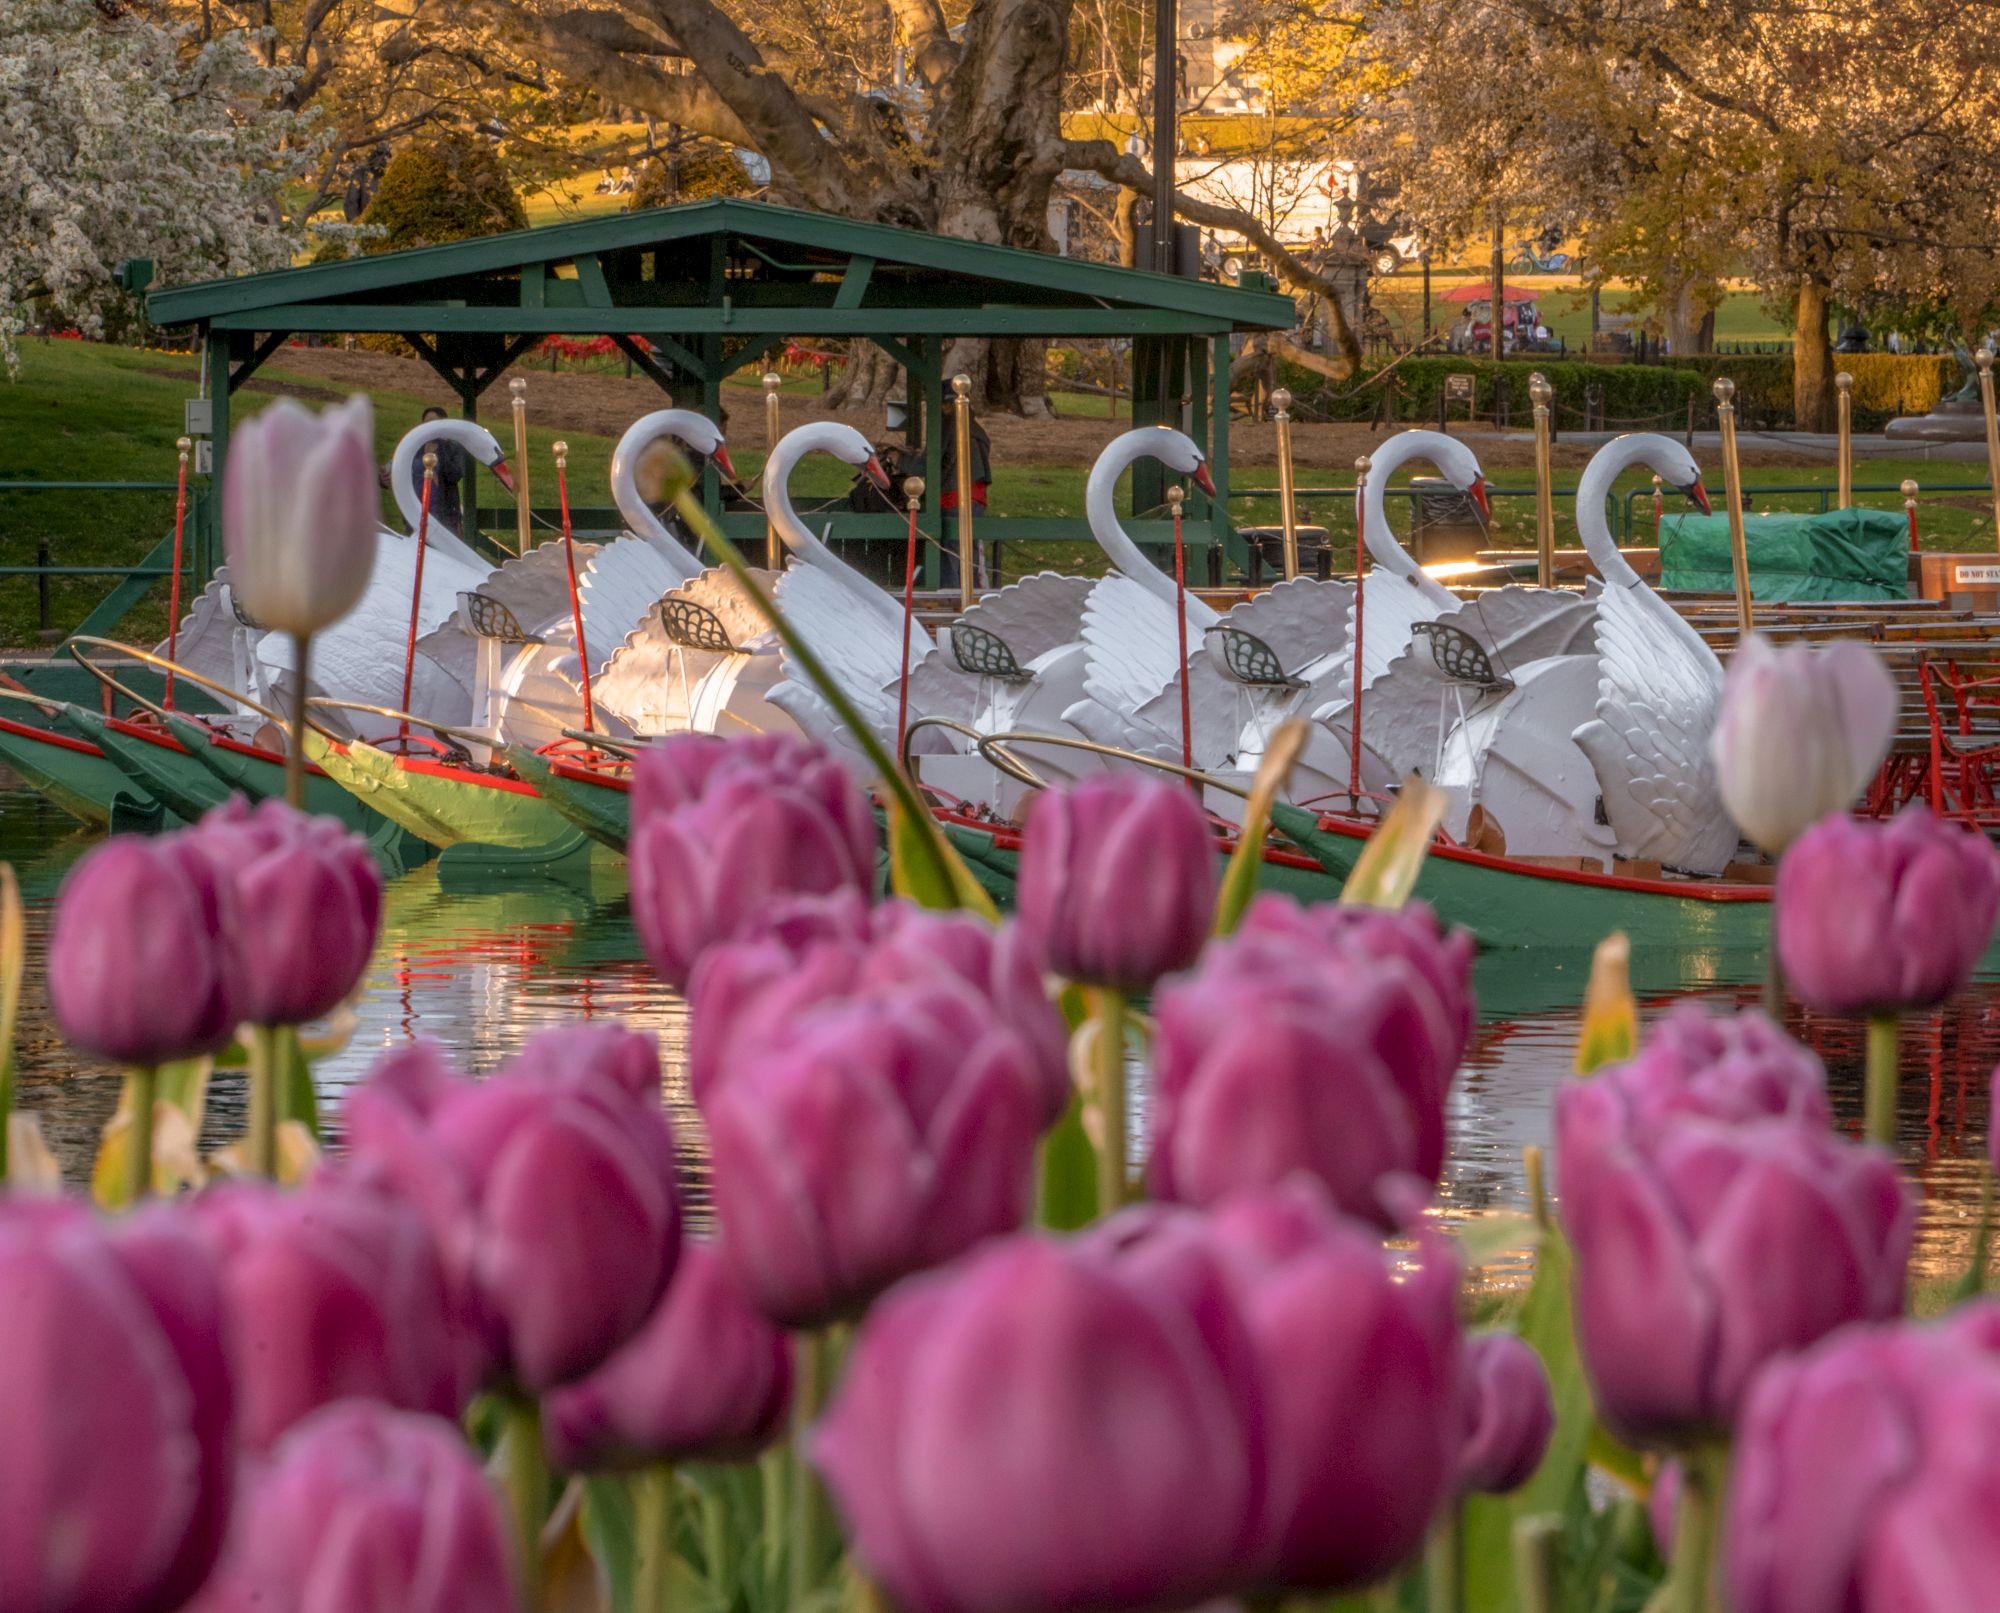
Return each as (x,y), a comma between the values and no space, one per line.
(1509,1414)
(1118,880)
(118,1455)
(721,830)
(1315,1044)
(549,1188)
(1704,1250)
(706,1380)
(1728,1067)
(1877,917)
(873,1138)
(368,1510)
(1801,733)
(300,511)
(144,993)
(1864,1473)
(333,1291)
(308,903)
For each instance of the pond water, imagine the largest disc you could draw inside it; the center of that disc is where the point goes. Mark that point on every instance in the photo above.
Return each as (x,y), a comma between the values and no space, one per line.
(483,970)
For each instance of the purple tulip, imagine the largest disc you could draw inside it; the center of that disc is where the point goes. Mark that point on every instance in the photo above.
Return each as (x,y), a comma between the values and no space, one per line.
(1876,917)
(1309,1044)
(333,1291)
(1724,1067)
(116,1399)
(363,1509)
(722,829)
(1118,879)
(1865,1474)
(873,1138)
(549,1187)
(1039,1428)
(1509,1414)
(308,901)
(812,950)
(1704,1250)
(300,511)
(1801,733)
(145,993)
(706,1380)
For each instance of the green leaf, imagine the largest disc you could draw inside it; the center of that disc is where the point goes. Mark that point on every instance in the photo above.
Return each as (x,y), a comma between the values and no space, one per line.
(13,961)
(1068,1165)
(1239,882)
(1386,871)
(297,1098)
(1610,1030)
(608,1527)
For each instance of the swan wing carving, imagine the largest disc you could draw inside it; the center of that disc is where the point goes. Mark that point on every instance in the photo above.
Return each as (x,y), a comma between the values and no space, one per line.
(1303,621)
(852,642)
(1391,607)
(619,588)
(1130,644)
(1518,625)
(1659,692)
(1032,616)
(206,639)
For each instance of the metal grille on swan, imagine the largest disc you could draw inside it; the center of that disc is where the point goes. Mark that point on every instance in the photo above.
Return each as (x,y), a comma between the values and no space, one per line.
(694,627)
(242,615)
(491,619)
(984,654)
(1460,656)
(1251,660)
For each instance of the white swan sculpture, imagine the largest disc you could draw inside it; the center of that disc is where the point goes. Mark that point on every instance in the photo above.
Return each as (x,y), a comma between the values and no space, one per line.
(361,657)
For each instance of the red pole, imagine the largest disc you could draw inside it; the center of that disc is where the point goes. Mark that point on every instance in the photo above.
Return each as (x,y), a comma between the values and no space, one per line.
(1360,573)
(174,588)
(575,599)
(417,588)
(913,490)
(1174,497)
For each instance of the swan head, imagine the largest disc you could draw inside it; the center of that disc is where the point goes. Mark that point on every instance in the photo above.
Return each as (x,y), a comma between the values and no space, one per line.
(685,426)
(1178,452)
(1460,466)
(1674,465)
(475,439)
(832,437)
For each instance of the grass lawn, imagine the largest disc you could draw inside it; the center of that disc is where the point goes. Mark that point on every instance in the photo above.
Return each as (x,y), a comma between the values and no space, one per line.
(82,412)
(1565,305)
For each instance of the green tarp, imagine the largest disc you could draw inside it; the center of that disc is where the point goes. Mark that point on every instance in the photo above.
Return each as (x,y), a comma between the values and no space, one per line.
(1843,554)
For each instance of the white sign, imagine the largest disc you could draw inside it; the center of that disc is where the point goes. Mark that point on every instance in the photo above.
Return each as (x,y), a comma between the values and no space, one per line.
(1976,576)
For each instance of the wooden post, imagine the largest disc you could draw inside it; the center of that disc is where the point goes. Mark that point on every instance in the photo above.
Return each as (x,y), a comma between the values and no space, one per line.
(774,550)
(1543,395)
(1288,514)
(1732,481)
(1499,289)
(1984,359)
(523,507)
(1843,384)
(961,386)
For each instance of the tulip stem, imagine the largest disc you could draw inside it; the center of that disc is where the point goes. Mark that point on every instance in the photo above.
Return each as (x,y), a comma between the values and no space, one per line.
(142,1088)
(1774,973)
(527,1488)
(1109,1005)
(811,1525)
(1879,1121)
(261,1139)
(295,752)
(1444,1563)
(1691,1585)
(653,1529)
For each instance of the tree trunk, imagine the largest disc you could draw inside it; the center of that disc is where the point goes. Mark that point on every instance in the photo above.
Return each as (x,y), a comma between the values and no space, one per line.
(1125,226)
(1683,315)
(1812,358)
(866,378)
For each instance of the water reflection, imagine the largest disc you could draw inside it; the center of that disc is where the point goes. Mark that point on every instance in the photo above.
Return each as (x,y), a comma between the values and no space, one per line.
(484,970)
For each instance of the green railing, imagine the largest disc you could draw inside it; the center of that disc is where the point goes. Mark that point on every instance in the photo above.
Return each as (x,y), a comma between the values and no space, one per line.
(52,545)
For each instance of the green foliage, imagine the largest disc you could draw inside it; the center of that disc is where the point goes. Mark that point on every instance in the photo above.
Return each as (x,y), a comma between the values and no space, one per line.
(1636,396)
(446,189)
(693,172)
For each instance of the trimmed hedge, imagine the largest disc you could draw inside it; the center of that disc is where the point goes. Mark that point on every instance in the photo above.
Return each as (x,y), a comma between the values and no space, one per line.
(1635,396)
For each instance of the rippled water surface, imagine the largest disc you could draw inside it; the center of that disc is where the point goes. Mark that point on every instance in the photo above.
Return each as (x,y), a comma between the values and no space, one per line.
(483,970)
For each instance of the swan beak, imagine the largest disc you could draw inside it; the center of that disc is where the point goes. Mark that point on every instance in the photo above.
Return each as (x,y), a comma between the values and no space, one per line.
(1477,493)
(1203,480)
(876,473)
(503,474)
(722,462)
(1697,495)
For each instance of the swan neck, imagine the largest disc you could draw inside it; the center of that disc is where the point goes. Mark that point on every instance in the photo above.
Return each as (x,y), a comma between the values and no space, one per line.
(638,514)
(1100,508)
(1592,489)
(403,481)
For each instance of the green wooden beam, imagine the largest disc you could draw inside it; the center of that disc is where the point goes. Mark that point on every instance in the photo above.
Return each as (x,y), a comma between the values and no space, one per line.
(854,283)
(263,350)
(590,276)
(648,366)
(732,318)
(111,609)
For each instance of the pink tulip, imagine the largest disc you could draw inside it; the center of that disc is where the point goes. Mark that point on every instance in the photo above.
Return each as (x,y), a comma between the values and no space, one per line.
(300,512)
(1876,917)
(307,900)
(1865,1474)
(117,1459)
(722,829)
(1118,879)
(822,949)
(333,1291)
(1726,1067)
(1704,1250)
(549,1187)
(872,1138)
(1309,1043)
(1509,1414)
(363,1509)
(1802,731)
(144,993)
(706,1380)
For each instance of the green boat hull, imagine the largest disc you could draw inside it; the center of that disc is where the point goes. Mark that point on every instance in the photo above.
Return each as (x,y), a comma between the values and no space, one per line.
(80,779)
(601,811)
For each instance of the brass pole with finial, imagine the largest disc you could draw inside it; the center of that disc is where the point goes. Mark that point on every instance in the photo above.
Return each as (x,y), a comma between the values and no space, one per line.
(523,507)
(1843,384)
(1288,512)
(1910,511)
(961,387)
(1362,468)
(774,551)
(1732,482)
(1984,359)
(1542,395)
